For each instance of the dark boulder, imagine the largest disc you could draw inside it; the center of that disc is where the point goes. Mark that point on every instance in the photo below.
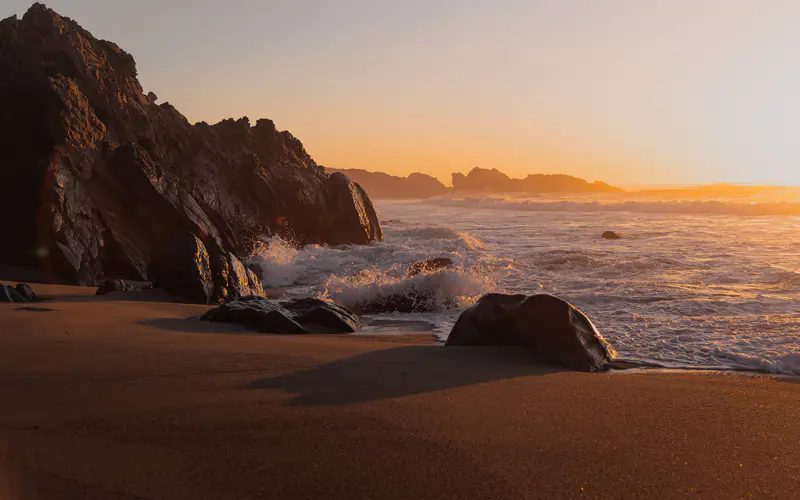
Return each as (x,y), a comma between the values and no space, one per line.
(426,266)
(26,292)
(181,267)
(611,235)
(95,174)
(319,316)
(109,286)
(8,294)
(305,316)
(552,328)
(353,217)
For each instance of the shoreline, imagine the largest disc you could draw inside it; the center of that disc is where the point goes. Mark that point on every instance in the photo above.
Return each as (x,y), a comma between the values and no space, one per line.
(128,399)
(382,327)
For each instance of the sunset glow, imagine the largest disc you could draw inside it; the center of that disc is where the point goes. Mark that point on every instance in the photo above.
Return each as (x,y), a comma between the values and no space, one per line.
(626,91)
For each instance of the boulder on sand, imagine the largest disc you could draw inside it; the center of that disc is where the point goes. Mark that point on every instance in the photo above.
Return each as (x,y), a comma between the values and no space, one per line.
(109,286)
(26,292)
(611,235)
(22,293)
(297,316)
(8,294)
(552,328)
(429,265)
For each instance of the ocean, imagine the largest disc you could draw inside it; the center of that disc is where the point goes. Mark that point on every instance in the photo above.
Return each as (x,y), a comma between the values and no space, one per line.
(692,284)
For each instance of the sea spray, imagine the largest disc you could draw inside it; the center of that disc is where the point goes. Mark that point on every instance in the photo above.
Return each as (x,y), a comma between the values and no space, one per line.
(376,277)
(682,289)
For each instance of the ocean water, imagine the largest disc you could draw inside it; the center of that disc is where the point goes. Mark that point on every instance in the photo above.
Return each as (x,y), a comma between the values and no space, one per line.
(711,284)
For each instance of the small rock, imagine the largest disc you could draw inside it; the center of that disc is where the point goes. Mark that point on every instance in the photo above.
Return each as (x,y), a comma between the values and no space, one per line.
(109,286)
(611,235)
(8,294)
(27,292)
(295,317)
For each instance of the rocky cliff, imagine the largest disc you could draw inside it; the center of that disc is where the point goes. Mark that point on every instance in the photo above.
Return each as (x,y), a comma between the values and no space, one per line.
(94,173)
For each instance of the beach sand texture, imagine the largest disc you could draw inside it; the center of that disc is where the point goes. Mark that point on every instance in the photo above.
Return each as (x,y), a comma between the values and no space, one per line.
(123,397)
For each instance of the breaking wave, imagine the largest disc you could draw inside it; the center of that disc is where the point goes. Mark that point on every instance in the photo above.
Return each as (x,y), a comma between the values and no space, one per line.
(374,290)
(376,277)
(679,290)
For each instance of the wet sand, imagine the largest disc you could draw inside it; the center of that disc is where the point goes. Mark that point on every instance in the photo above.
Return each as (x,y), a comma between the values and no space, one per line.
(123,397)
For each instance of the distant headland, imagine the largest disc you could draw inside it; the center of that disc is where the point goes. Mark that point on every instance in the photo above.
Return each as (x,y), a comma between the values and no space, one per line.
(478,180)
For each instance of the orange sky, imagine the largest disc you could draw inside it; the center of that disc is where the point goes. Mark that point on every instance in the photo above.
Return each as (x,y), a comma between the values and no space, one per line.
(627,91)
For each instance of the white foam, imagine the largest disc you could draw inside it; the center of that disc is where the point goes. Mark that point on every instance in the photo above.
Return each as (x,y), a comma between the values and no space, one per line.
(779,364)
(442,290)
(696,290)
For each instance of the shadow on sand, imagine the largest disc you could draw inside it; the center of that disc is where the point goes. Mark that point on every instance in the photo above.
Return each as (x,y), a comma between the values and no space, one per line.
(403,371)
(194,325)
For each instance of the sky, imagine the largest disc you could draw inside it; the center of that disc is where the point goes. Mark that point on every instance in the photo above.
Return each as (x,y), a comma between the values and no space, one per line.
(625,91)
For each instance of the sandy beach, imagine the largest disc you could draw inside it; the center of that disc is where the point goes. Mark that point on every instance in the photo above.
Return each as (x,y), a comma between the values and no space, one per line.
(123,397)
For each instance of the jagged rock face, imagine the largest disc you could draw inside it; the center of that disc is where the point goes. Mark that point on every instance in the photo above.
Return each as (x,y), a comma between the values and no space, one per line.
(95,174)
(183,266)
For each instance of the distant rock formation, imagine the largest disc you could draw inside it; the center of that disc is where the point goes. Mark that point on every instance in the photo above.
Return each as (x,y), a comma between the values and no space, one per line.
(493,181)
(94,174)
(381,185)
(479,180)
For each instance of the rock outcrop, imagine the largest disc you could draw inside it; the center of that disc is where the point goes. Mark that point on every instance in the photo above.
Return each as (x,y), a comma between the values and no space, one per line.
(552,328)
(381,185)
(183,267)
(94,174)
(294,317)
(478,180)
(493,181)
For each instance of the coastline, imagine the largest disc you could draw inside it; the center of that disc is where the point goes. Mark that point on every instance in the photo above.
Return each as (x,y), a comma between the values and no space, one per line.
(122,398)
